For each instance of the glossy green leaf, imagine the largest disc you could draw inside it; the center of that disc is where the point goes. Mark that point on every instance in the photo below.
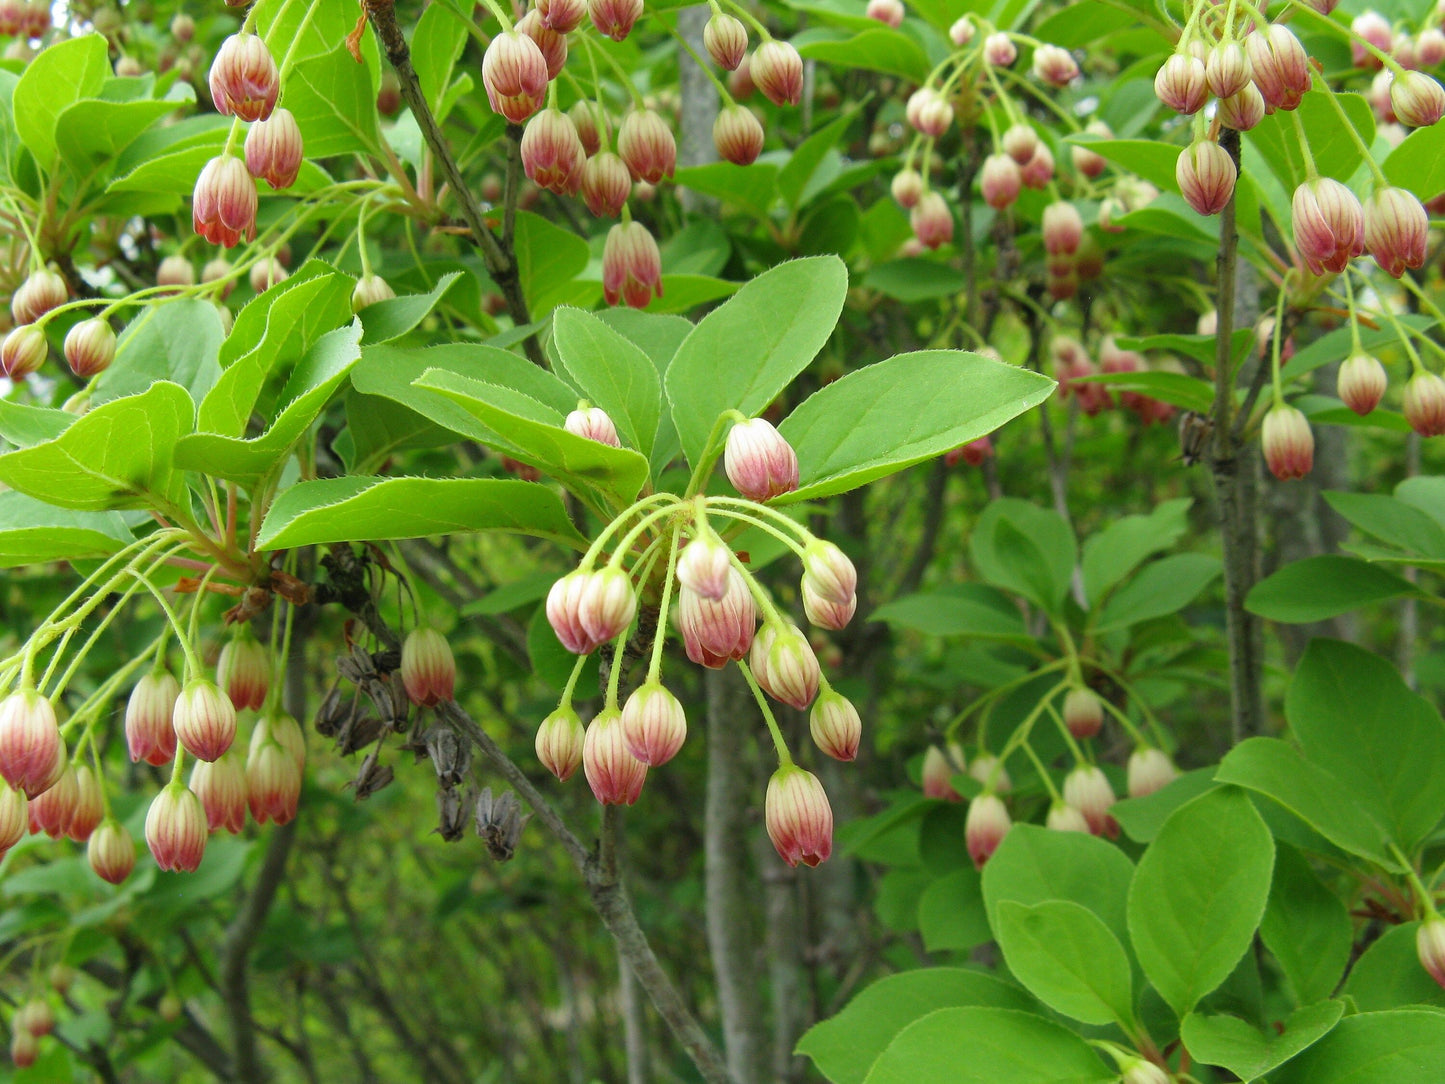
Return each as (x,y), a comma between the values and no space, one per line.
(1164,587)
(1317,588)
(951,914)
(1332,147)
(1185,392)
(877,50)
(746,351)
(23,424)
(1024,549)
(1141,818)
(914,280)
(1388,974)
(984,1046)
(359,509)
(89,132)
(1401,1045)
(1392,520)
(1148,158)
(1419,162)
(1033,865)
(800,168)
(1119,548)
(178,340)
(437,42)
(613,373)
(391,319)
(911,407)
(548,259)
(1066,957)
(119,455)
(1307,928)
(844,1047)
(1198,895)
(59,76)
(334,101)
(753,188)
(32,531)
(966,609)
(1244,1051)
(175,173)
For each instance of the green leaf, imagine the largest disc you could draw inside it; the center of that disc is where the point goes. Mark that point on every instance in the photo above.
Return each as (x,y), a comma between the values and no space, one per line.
(117,456)
(1034,865)
(393,318)
(1185,392)
(1332,147)
(24,425)
(793,178)
(1307,928)
(746,351)
(1067,958)
(951,913)
(177,340)
(436,44)
(613,373)
(1198,895)
(1311,793)
(535,435)
(1025,549)
(754,188)
(32,531)
(1164,587)
(1403,1045)
(1150,159)
(844,1047)
(1419,162)
(1201,348)
(1317,588)
(548,259)
(1389,974)
(59,76)
(1248,1054)
(175,174)
(334,101)
(1337,345)
(1358,720)
(966,609)
(89,133)
(877,50)
(986,1046)
(373,509)
(890,415)
(1392,520)
(1117,550)
(914,280)
(1141,818)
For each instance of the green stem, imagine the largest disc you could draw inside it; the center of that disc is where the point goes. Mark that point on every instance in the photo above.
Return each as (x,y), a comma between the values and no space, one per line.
(1054,794)
(711,450)
(785,758)
(660,637)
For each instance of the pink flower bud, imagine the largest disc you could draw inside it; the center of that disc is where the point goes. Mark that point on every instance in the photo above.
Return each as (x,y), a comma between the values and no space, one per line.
(23,351)
(175,271)
(1370,26)
(1085,160)
(973,453)
(653,724)
(37,22)
(1063,229)
(221,787)
(931,220)
(759,462)
(798,816)
(984,827)
(990,773)
(1280,66)
(887,12)
(1039,170)
(24,1048)
(244,671)
(726,40)
(1020,142)
(52,810)
(714,631)
(999,51)
(370,289)
(1329,225)
(608,604)
(1430,47)
(606,184)
(613,773)
(825,613)
(90,347)
(738,135)
(111,852)
(1289,446)
(552,152)
(42,291)
(204,720)
(1150,770)
(223,206)
(1242,110)
(938,772)
(705,566)
(89,804)
(273,783)
(1226,70)
(777,70)
(835,726)
(564,613)
(907,188)
(1417,99)
(274,150)
(267,273)
(929,112)
(614,18)
(243,78)
(1424,407)
(631,265)
(1430,947)
(1065,818)
(176,829)
(428,669)
(1180,84)
(148,730)
(1139,1071)
(1083,713)
(36,1017)
(784,665)
(561,16)
(740,81)
(962,31)
(585,116)
(552,43)
(1087,789)
(999,181)
(829,572)
(1054,66)
(282,729)
(559,743)
(14,817)
(514,73)
(646,144)
(29,742)
(592,423)
(1361,383)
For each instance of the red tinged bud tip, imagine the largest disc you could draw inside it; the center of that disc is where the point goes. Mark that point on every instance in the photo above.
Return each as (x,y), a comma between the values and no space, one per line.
(738,135)
(999,181)
(608,604)
(514,73)
(370,290)
(887,12)
(785,666)
(273,771)
(559,743)
(1039,170)
(1424,405)
(223,206)
(111,852)
(1065,818)
(705,566)
(274,151)
(204,720)
(1396,229)
(1280,66)
(931,220)
(613,773)
(939,768)
(37,1017)
(285,731)
(244,672)
(614,18)
(1083,713)
(562,16)
(962,31)
(243,78)
(24,1048)
(1087,789)
(798,816)
(1226,69)
(829,572)
(176,829)
(1054,66)
(14,817)
(1370,26)
(715,631)
(1063,229)
(1085,160)
(984,827)
(631,266)
(1430,947)
(1206,176)
(30,742)
(777,70)
(835,726)
(653,724)
(23,351)
(564,613)
(52,810)
(726,40)
(1430,47)
(1361,383)
(1149,770)
(89,804)
(1289,446)
(1020,142)
(38,294)
(999,50)
(907,188)
(592,423)
(758,461)
(552,43)
(148,730)
(90,347)
(585,118)
(1242,110)
(221,787)
(552,152)
(1180,84)
(606,184)
(646,144)
(973,453)
(1329,225)
(428,669)
(928,112)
